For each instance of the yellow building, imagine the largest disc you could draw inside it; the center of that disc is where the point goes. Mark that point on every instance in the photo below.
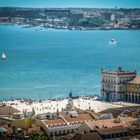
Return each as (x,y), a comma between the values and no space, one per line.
(24,123)
(133,90)
(16,118)
(18,123)
(120,85)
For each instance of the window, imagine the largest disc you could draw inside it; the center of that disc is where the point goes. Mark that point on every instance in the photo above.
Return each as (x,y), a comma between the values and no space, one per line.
(55,133)
(113,135)
(60,132)
(51,133)
(125,133)
(117,135)
(108,136)
(104,136)
(121,134)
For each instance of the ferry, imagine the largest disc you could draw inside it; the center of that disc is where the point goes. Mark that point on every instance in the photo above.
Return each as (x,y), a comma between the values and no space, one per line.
(113,41)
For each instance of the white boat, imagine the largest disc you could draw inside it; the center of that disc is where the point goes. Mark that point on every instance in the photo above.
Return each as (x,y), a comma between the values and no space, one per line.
(3,56)
(113,41)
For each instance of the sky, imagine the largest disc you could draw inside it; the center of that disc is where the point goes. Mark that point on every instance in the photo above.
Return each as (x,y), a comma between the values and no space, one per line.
(72,3)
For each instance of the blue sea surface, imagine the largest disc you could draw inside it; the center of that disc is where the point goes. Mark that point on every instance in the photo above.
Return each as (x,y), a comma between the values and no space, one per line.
(50,63)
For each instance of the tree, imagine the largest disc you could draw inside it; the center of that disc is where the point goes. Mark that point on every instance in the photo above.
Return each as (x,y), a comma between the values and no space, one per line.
(37,136)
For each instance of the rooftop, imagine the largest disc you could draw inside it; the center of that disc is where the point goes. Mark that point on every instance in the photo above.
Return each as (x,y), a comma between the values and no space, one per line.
(54,121)
(117,111)
(66,120)
(114,112)
(7,110)
(136,80)
(34,129)
(110,123)
(125,110)
(87,136)
(119,71)
(112,130)
(79,118)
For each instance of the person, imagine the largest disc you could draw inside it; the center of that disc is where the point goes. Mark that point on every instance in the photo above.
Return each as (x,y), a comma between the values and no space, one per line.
(70,94)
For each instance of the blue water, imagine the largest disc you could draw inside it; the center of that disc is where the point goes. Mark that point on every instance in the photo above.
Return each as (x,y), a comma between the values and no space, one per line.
(49,63)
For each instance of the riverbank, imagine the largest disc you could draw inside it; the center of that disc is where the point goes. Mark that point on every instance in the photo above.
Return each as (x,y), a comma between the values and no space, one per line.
(40,27)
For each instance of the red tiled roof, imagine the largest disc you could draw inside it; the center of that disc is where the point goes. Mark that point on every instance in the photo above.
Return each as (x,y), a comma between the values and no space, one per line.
(6,110)
(34,129)
(87,136)
(110,123)
(112,130)
(136,80)
(80,117)
(54,121)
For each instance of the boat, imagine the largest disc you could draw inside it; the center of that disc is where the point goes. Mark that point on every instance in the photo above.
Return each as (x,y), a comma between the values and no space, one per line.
(3,56)
(113,41)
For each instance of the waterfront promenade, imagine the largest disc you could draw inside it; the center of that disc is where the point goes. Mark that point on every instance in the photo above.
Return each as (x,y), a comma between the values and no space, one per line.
(52,106)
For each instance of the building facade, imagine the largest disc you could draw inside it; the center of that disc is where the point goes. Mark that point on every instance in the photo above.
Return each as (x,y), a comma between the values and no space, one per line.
(132,88)
(64,124)
(113,84)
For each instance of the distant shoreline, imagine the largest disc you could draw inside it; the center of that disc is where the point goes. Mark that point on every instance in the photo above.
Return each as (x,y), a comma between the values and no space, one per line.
(73,18)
